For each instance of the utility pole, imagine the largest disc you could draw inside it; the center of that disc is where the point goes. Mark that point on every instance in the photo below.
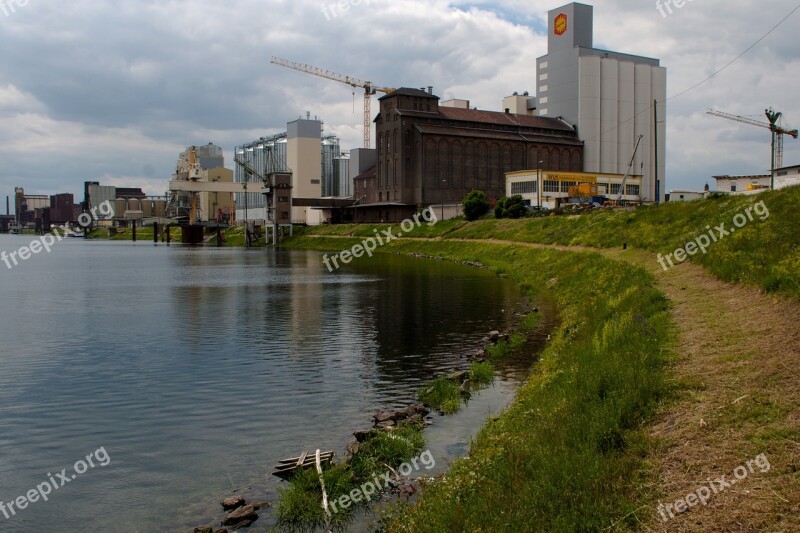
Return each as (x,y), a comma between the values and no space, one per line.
(655,138)
(538,184)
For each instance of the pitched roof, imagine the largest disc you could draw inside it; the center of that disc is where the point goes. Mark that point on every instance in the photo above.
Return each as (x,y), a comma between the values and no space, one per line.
(495,117)
(408,91)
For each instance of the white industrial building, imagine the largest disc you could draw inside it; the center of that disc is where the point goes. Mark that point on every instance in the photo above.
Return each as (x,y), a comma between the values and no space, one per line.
(784,177)
(608,96)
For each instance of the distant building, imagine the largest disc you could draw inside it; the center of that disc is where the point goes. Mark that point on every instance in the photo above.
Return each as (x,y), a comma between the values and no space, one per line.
(342,184)
(520,104)
(678,195)
(62,208)
(331,152)
(743,184)
(434,155)
(301,150)
(361,161)
(787,176)
(608,96)
(558,186)
(202,165)
(26,206)
(208,156)
(96,195)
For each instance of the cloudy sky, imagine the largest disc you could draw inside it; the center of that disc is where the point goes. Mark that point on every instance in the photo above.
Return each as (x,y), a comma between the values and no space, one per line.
(113,90)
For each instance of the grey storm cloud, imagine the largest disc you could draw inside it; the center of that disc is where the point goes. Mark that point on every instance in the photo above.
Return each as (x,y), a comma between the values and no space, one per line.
(115,89)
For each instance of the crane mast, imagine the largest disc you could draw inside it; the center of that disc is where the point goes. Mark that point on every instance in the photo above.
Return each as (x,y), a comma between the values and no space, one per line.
(369,88)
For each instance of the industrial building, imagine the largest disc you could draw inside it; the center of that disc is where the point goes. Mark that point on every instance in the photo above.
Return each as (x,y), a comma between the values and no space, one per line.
(28,207)
(784,177)
(432,154)
(682,195)
(612,98)
(129,204)
(202,164)
(62,209)
(558,187)
(301,150)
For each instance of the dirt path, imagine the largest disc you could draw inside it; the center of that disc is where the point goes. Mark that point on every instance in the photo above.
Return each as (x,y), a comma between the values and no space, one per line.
(738,376)
(738,396)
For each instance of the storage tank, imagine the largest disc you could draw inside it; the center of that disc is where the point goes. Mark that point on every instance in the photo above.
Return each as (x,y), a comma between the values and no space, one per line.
(134,204)
(147,208)
(119,208)
(160,208)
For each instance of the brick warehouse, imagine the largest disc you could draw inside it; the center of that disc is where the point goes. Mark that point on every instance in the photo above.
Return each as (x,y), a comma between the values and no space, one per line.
(431,154)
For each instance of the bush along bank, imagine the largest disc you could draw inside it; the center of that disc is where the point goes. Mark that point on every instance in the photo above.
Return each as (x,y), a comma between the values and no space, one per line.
(567,455)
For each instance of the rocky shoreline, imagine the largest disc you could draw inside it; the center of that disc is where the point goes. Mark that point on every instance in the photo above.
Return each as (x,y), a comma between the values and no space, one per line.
(241,514)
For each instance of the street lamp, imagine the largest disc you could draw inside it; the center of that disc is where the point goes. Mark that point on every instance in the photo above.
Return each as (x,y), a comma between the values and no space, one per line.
(443,181)
(539,184)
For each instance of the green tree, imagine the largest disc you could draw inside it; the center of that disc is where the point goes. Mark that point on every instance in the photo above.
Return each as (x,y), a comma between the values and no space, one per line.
(512,207)
(475,205)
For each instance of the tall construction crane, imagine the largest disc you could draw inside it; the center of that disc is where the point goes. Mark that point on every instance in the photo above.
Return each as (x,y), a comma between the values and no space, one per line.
(774,125)
(369,88)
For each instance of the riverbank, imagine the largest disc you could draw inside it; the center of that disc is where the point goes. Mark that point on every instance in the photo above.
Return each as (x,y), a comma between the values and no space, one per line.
(575,428)
(720,388)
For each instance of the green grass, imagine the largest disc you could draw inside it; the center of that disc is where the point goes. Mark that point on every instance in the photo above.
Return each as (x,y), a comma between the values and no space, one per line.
(299,505)
(441,394)
(568,453)
(481,373)
(387,448)
(765,253)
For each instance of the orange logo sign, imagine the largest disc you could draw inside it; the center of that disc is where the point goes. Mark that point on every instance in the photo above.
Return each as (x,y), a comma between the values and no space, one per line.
(560,24)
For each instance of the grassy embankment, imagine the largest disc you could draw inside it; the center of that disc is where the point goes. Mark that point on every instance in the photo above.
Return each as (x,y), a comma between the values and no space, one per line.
(126,234)
(763,253)
(568,453)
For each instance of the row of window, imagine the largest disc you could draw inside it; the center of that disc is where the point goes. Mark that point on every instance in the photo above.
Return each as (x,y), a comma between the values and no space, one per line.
(523,187)
(530,187)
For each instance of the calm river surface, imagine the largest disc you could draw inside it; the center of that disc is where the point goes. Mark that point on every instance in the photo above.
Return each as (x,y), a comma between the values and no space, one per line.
(197,369)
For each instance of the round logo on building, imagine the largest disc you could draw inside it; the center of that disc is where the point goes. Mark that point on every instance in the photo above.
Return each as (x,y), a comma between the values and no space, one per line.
(560,24)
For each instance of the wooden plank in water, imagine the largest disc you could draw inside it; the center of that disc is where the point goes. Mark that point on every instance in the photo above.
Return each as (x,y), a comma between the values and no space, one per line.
(294,460)
(286,468)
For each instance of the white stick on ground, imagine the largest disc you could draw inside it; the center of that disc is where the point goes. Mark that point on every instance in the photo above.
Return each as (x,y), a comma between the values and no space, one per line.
(324,496)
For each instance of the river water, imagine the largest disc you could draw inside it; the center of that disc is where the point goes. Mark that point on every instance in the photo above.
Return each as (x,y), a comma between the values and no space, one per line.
(196,369)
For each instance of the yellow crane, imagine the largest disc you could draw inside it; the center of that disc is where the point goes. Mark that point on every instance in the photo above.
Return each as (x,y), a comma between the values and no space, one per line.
(369,88)
(774,125)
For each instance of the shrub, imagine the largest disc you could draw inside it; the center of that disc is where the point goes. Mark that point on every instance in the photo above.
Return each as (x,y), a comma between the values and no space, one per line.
(475,205)
(512,207)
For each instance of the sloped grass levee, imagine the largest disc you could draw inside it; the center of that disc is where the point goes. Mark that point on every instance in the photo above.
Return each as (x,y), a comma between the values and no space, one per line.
(568,454)
(762,253)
